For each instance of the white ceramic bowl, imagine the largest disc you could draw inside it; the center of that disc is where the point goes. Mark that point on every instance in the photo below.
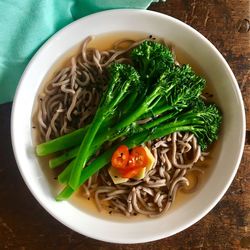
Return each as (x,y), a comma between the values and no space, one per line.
(228,150)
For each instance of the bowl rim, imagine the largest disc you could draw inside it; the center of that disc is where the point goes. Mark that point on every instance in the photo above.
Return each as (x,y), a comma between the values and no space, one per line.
(151,14)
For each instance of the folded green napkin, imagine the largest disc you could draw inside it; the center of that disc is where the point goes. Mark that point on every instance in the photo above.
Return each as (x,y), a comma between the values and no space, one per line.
(26,24)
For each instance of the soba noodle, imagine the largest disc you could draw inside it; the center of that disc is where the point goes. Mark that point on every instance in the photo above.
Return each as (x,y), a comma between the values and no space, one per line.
(69,102)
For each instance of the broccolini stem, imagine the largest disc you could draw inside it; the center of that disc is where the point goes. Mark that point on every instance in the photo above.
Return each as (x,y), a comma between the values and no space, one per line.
(57,161)
(60,143)
(83,153)
(63,177)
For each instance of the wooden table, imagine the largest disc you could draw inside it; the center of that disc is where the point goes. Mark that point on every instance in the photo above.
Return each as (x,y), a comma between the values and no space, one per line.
(24,224)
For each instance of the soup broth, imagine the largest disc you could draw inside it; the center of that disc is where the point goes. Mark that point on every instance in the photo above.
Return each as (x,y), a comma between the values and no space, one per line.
(104,42)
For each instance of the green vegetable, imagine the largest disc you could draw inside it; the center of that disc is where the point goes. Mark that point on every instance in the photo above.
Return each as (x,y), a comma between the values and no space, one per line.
(151,59)
(122,77)
(188,88)
(63,177)
(200,119)
(55,162)
(60,143)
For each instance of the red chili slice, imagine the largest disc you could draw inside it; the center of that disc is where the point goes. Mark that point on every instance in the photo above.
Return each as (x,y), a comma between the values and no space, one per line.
(138,158)
(120,157)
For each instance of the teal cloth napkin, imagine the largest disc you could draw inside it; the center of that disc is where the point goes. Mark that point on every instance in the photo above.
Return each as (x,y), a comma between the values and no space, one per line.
(26,24)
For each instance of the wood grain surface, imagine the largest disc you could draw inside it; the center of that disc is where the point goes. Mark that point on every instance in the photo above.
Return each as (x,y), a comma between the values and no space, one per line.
(24,224)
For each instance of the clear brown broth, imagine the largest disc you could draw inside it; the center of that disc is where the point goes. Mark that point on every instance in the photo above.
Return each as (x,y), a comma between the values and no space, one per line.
(104,42)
